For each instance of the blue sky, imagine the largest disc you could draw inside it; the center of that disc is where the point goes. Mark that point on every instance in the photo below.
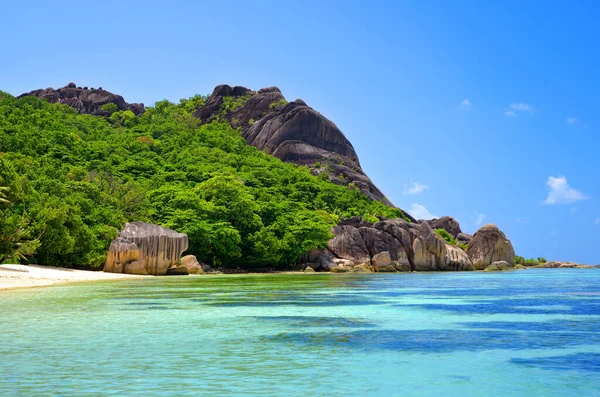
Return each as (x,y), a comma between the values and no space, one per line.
(486,111)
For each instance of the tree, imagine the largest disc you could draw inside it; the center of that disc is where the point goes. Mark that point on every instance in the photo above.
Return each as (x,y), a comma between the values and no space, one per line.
(15,231)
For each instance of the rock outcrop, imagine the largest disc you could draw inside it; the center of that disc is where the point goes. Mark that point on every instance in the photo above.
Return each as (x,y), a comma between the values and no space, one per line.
(563,265)
(490,245)
(144,248)
(464,238)
(88,101)
(499,266)
(447,223)
(391,245)
(291,131)
(191,263)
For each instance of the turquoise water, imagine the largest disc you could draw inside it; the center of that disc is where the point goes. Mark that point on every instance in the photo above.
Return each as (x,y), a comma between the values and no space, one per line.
(527,333)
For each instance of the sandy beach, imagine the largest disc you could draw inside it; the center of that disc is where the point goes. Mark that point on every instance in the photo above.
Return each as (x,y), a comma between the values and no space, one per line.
(22,276)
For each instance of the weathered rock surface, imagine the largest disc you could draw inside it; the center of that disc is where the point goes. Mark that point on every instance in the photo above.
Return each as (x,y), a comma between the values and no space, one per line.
(292,132)
(431,253)
(490,245)
(520,267)
(447,223)
(464,238)
(390,245)
(144,248)
(499,266)
(309,270)
(362,268)
(191,263)
(86,100)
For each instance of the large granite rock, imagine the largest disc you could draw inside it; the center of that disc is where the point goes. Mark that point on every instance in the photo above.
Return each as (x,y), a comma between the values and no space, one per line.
(387,246)
(447,223)
(86,100)
(464,238)
(191,264)
(490,245)
(144,248)
(432,253)
(293,132)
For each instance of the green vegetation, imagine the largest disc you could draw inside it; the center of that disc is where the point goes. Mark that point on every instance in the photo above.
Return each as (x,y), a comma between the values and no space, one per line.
(110,108)
(233,103)
(71,180)
(282,102)
(15,231)
(519,260)
(463,246)
(446,236)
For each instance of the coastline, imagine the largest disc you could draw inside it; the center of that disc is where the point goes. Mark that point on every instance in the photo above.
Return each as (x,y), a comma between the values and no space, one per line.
(14,277)
(30,276)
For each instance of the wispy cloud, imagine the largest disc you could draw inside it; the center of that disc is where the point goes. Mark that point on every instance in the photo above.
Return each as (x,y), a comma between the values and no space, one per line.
(466,105)
(517,107)
(479,219)
(597,221)
(561,192)
(572,120)
(414,188)
(420,212)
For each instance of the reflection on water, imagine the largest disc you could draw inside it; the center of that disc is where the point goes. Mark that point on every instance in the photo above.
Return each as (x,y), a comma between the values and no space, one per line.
(535,332)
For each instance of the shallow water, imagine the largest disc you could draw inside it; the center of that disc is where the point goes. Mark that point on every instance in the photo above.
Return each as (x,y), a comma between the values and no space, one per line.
(526,333)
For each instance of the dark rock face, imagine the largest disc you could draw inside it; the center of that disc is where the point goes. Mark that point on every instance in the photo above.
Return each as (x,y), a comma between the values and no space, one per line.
(447,223)
(292,132)
(490,245)
(389,245)
(88,101)
(464,238)
(144,248)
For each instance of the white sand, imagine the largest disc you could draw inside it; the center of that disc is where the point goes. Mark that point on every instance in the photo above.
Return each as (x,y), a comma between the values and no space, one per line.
(21,276)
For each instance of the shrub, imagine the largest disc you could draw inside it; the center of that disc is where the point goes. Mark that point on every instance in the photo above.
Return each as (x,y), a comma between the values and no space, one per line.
(446,236)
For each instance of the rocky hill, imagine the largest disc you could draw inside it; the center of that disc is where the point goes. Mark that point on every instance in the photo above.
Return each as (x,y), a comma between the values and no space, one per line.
(86,100)
(295,133)
(291,131)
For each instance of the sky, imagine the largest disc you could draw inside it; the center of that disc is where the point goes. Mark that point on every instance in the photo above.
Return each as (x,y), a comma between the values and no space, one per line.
(485,111)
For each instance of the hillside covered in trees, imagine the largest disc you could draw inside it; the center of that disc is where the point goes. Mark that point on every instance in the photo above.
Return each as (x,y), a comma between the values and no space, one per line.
(69,180)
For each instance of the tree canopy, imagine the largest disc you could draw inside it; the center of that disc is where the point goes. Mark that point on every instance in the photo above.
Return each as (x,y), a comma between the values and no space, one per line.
(73,179)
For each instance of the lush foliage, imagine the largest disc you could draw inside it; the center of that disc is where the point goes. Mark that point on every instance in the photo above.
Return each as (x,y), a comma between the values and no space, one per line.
(519,260)
(81,177)
(16,241)
(446,236)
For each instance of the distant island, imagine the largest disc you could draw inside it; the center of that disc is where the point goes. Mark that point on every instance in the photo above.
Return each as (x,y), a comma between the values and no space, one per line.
(253,182)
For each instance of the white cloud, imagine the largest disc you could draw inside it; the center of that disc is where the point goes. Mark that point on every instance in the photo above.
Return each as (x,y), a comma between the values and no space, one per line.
(572,120)
(420,212)
(522,107)
(561,192)
(519,107)
(479,220)
(414,188)
(466,105)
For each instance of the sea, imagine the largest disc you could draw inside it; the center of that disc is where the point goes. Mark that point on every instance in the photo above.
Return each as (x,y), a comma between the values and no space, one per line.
(523,333)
